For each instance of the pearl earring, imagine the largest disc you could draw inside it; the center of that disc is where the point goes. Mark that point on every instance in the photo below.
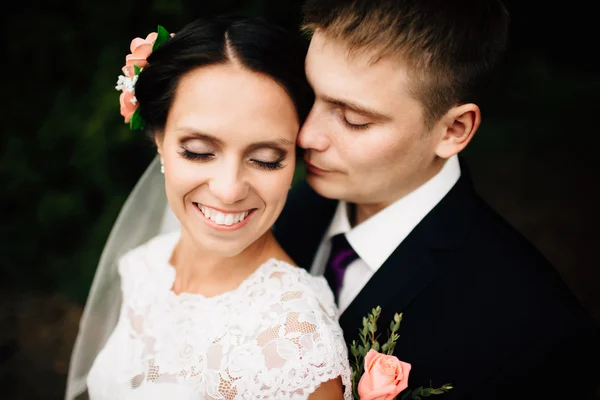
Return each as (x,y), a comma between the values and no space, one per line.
(162,166)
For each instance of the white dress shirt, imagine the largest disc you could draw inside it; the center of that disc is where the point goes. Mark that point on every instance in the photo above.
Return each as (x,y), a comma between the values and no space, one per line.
(376,238)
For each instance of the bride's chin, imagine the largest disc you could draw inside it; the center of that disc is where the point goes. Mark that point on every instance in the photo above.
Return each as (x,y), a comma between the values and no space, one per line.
(219,247)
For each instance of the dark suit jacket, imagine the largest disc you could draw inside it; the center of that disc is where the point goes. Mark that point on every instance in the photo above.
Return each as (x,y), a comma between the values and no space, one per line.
(483,309)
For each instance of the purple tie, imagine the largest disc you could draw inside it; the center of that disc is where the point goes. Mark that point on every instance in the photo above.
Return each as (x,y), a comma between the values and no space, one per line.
(340,257)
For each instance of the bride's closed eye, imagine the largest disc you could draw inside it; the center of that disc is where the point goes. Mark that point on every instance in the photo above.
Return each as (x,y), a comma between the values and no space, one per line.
(268,159)
(197,150)
(271,166)
(189,155)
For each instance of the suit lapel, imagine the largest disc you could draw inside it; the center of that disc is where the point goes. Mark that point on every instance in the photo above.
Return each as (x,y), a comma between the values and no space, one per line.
(411,269)
(400,280)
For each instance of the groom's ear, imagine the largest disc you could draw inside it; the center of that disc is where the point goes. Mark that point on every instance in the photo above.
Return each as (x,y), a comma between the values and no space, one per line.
(458,126)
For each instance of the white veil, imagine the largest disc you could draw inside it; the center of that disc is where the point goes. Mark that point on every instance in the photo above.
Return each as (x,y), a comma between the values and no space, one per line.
(145,214)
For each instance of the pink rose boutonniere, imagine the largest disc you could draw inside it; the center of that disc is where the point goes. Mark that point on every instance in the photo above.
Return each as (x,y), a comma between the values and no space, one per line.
(134,64)
(381,375)
(384,378)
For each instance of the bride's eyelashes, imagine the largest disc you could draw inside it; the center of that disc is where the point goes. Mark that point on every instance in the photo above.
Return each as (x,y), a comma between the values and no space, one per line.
(271,166)
(188,155)
(267,165)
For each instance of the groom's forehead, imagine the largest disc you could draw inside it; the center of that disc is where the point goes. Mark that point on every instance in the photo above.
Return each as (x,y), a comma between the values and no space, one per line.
(334,46)
(332,65)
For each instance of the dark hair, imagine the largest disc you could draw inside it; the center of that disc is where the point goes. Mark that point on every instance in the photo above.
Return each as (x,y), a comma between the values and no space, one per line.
(453,48)
(251,42)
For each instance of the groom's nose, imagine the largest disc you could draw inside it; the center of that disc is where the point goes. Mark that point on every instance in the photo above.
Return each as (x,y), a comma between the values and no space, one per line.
(312,135)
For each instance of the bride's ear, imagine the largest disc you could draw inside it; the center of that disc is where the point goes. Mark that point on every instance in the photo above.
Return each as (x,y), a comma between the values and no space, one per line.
(459,125)
(158,141)
(159,149)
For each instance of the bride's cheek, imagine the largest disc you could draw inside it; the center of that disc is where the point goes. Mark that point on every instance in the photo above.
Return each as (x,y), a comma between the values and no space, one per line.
(275,188)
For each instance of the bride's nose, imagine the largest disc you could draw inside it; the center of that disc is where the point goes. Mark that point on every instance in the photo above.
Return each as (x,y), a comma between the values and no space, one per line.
(229,185)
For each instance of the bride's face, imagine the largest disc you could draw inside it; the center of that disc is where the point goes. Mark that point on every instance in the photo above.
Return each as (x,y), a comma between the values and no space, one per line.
(229,156)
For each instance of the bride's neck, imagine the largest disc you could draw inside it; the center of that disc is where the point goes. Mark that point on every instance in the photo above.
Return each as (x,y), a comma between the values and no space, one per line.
(208,273)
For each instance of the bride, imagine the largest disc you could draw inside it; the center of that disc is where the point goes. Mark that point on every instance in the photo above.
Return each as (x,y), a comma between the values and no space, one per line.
(208,305)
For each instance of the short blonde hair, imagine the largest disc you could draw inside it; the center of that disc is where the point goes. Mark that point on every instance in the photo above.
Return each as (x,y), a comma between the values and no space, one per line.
(452,47)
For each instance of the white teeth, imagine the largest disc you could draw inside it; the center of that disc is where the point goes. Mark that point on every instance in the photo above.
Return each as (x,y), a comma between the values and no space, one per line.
(239,217)
(222,218)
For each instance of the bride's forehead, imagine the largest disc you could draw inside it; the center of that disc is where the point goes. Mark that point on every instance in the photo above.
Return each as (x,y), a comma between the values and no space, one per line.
(227,83)
(230,94)
(249,110)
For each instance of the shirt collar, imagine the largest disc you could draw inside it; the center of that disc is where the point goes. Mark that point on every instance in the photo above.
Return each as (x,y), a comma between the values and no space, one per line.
(391,225)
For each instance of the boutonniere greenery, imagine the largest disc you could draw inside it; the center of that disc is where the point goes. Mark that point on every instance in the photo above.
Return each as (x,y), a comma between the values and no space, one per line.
(376,373)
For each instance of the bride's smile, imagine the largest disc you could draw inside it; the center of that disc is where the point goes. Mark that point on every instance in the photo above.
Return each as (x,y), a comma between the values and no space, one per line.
(224,220)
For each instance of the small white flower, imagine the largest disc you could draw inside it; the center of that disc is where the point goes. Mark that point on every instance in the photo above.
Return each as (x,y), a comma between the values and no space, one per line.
(120,83)
(125,83)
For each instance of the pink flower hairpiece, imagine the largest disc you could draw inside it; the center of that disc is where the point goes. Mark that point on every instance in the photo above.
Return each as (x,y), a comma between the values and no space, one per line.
(134,64)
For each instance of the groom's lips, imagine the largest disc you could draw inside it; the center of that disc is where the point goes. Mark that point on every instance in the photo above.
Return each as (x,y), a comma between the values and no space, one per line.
(314,169)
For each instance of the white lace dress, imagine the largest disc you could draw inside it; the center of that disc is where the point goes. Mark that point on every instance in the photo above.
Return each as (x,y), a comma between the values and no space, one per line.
(274,337)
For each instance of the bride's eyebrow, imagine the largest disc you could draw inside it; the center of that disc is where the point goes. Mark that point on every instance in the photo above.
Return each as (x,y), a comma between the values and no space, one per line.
(192,134)
(276,144)
(273,144)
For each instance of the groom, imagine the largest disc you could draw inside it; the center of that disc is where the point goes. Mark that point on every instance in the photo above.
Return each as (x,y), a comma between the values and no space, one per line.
(390,217)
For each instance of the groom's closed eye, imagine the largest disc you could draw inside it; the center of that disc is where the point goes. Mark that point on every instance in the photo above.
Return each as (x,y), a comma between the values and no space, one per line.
(355,121)
(356,108)
(355,116)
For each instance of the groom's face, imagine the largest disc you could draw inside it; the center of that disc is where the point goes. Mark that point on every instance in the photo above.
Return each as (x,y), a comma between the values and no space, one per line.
(366,140)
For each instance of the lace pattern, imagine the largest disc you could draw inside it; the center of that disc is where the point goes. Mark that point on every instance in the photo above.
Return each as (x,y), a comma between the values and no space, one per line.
(274,337)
